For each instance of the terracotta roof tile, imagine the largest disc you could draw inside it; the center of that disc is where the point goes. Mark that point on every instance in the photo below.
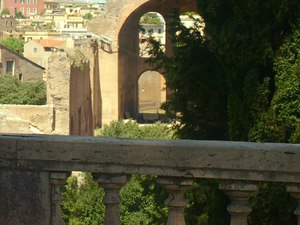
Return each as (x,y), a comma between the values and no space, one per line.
(49,42)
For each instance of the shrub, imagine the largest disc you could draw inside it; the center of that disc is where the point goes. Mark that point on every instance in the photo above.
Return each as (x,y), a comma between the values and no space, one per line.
(13,91)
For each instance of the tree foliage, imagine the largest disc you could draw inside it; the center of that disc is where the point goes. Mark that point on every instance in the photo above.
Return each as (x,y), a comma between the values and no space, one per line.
(198,100)
(281,122)
(150,19)
(88,16)
(131,129)
(245,37)
(82,204)
(5,12)
(19,15)
(17,45)
(13,91)
(252,52)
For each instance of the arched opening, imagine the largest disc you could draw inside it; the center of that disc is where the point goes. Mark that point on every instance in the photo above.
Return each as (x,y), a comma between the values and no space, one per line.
(151,94)
(130,64)
(152,25)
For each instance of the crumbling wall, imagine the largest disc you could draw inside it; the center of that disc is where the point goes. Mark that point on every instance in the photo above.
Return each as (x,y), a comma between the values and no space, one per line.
(80,95)
(58,88)
(69,100)
(26,119)
(52,118)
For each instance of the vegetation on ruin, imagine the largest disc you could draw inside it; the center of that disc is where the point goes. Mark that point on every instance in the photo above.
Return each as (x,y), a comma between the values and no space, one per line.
(13,91)
(150,19)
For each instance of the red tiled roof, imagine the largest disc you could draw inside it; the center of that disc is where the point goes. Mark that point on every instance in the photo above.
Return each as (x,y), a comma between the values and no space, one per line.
(49,42)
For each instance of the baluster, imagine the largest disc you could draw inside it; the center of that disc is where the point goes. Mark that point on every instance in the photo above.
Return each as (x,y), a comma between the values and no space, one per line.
(294,190)
(112,184)
(176,201)
(57,180)
(239,193)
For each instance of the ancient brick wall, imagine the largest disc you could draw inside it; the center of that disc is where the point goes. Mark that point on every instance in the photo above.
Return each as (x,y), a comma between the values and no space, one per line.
(81,112)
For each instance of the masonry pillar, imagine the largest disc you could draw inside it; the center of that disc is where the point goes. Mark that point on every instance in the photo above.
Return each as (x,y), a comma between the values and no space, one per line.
(58,91)
(239,193)
(112,184)
(294,190)
(176,201)
(57,181)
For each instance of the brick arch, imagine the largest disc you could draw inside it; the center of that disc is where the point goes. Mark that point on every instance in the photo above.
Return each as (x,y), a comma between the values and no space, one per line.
(130,65)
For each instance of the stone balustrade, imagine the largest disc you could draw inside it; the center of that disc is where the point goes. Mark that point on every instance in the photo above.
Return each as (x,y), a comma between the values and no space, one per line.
(34,168)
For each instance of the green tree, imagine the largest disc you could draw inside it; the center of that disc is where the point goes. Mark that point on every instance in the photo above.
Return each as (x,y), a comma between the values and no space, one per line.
(82,204)
(244,37)
(88,16)
(13,91)
(198,101)
(241,41)
(19,15)
(281,122)
(146,19)
(17,45)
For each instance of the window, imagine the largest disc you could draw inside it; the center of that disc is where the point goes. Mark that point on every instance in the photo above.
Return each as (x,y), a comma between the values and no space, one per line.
(20,76)
(35,50)
(10,67)
(28,10)
(22,10)
(28,1)
(34,11)
(22,1)
(34,1)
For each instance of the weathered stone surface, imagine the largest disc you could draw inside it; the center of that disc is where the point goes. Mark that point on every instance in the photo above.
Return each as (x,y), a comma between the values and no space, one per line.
(176,201)
(181,159)
(26,119)
(24,198)
(58,91)
(239,194)
(211,159)
(112,185)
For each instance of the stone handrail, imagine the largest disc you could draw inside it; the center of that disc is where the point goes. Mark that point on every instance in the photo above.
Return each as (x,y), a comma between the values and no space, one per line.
(176,163)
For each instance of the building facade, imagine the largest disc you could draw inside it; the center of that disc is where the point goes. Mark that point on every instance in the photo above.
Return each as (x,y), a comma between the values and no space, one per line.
(7,24)
(18,66)
(26,7)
